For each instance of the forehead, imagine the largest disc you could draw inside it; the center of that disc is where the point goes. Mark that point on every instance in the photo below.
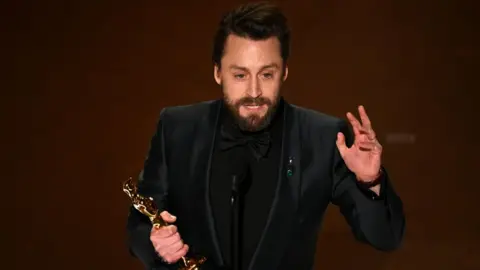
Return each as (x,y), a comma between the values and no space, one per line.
(250,53)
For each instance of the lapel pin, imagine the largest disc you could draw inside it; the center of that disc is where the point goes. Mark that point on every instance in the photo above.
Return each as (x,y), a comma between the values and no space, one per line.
(290,167)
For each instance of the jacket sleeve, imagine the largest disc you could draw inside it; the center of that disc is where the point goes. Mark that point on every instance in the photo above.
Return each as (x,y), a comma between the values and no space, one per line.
(152,183)
(376,220)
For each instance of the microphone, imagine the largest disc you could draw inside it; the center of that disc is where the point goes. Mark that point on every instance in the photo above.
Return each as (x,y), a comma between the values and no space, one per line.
(236,183)
(239,187)
(241,180)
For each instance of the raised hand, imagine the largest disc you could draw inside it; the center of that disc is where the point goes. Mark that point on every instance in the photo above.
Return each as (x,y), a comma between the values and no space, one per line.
(364,157)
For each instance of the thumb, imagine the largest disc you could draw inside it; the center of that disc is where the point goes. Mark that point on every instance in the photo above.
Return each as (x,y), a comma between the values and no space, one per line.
(167,217)
(341,145)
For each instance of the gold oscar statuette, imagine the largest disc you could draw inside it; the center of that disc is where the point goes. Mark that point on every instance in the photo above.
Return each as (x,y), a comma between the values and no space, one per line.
(147,207)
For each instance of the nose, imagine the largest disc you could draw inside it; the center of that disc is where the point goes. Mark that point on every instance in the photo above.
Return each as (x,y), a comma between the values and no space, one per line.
(254,89)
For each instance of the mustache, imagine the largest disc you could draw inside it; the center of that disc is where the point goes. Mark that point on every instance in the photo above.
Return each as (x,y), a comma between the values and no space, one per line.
(249,101)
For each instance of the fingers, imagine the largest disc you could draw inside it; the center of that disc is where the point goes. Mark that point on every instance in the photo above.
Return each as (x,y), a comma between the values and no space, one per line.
(169,218)
(355,123)
(370,146)
(365,137)
(164,232)
(168,243)
(364,117)
(365,127)
(341,145)
(175,256)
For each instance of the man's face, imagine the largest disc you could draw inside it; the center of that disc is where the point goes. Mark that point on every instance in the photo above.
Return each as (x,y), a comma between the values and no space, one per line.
(251,76)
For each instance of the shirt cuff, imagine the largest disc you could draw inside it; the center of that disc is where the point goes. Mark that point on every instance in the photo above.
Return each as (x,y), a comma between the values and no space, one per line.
(369,193)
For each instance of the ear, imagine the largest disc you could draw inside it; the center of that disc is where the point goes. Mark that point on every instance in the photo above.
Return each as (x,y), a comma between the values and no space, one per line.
(216,74)
(285,73)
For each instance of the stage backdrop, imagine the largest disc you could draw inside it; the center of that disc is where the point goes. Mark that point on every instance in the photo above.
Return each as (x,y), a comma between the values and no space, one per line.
(85,82)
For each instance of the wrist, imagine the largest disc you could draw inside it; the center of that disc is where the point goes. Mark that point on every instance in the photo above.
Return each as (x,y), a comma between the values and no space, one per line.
(370,182)
(376,189)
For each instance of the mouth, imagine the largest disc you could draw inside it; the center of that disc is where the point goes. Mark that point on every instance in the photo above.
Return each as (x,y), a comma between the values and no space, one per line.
(253,107)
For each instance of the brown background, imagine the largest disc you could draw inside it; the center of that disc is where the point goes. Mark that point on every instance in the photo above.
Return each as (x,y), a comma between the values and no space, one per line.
(85,82)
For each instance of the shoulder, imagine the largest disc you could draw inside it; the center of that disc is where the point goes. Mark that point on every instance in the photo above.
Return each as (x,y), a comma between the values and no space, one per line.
(188,112)
(182,120)
(318,119)
(320,127)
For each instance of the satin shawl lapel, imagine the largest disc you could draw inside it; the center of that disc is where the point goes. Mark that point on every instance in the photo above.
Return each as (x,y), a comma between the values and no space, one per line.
(276,234)
(200,165)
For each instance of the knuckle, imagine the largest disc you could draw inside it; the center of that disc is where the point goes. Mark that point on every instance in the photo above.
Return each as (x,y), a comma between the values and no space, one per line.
(160,246)
(157,239)
(175,246)
(155,233)
(165,232)
(163,253)
(176,237)
(180,245)
(154,241)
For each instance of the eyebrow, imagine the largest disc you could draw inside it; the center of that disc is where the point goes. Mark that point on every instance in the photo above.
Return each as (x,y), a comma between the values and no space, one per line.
(273,65)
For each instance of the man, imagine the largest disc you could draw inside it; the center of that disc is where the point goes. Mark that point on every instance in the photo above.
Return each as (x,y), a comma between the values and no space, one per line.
(295,162)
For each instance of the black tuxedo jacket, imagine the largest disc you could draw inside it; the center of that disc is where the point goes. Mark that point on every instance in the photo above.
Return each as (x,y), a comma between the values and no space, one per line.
(176,174)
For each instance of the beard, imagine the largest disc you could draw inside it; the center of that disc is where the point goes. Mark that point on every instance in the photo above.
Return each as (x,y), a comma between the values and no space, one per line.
(253,122)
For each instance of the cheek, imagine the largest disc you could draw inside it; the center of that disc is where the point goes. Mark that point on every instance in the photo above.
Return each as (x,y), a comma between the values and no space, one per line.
(234,90)
(270,89)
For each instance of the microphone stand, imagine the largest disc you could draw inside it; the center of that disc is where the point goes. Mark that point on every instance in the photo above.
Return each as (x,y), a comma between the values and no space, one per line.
(236,222)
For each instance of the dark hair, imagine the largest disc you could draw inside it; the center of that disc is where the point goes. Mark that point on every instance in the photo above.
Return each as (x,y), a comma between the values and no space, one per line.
(257,21)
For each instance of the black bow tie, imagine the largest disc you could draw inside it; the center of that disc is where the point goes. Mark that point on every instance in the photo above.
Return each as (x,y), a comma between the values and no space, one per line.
(258,143)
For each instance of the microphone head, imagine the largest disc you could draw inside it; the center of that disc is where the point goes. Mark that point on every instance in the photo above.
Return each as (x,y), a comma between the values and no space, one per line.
(239,178)
(236,180)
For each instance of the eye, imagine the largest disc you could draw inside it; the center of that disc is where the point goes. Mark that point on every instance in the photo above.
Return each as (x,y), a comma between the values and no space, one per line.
(239,76)
(268,75)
